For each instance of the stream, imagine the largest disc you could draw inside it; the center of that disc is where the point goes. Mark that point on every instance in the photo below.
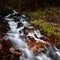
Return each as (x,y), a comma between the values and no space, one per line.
(19,39)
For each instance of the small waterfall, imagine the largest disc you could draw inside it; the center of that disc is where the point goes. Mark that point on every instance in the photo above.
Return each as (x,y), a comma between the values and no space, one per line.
(15,36)
(17,42)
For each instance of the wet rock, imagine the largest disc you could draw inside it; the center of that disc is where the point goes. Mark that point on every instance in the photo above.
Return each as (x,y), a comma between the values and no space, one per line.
(4,50)
(31,39)
(19,25)
(47,39)
(26,31)
(35,46)
(15,51)
(16,20)
(4,27)
(9,43)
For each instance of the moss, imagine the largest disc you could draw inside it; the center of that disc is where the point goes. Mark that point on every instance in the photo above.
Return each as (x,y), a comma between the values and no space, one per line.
(39,18)
(48,29)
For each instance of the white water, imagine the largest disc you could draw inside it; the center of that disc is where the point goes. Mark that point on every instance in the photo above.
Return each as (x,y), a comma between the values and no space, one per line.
(20,44)
(17,42)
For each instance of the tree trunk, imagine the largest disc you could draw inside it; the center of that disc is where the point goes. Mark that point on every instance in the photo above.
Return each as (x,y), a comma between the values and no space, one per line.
(36,4)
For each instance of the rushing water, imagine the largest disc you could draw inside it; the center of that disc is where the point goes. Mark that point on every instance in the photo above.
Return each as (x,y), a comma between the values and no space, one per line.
(15,35)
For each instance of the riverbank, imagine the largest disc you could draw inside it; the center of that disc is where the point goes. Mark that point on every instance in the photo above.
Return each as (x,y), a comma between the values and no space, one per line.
(48,22)
(28,38)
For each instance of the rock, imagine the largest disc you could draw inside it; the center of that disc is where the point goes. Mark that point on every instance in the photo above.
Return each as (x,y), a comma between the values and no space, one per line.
(1,37)
(19,25)
(4,27)
(31,39)
(0,46)
(5,48)
(15,51)
(34,46)
(26,31)
(57,43)
(47,39)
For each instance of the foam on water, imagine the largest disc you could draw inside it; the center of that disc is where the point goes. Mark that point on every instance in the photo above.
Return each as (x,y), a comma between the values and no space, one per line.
(18,42)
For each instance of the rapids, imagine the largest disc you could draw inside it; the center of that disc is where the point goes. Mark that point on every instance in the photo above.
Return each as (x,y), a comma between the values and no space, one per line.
(18,38)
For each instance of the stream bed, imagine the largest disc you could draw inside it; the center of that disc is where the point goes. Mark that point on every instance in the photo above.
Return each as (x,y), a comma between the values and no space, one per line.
(21,32)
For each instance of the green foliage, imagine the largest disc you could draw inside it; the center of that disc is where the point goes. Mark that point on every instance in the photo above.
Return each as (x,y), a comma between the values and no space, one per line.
(48,29)
(36,15)
(39,17)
